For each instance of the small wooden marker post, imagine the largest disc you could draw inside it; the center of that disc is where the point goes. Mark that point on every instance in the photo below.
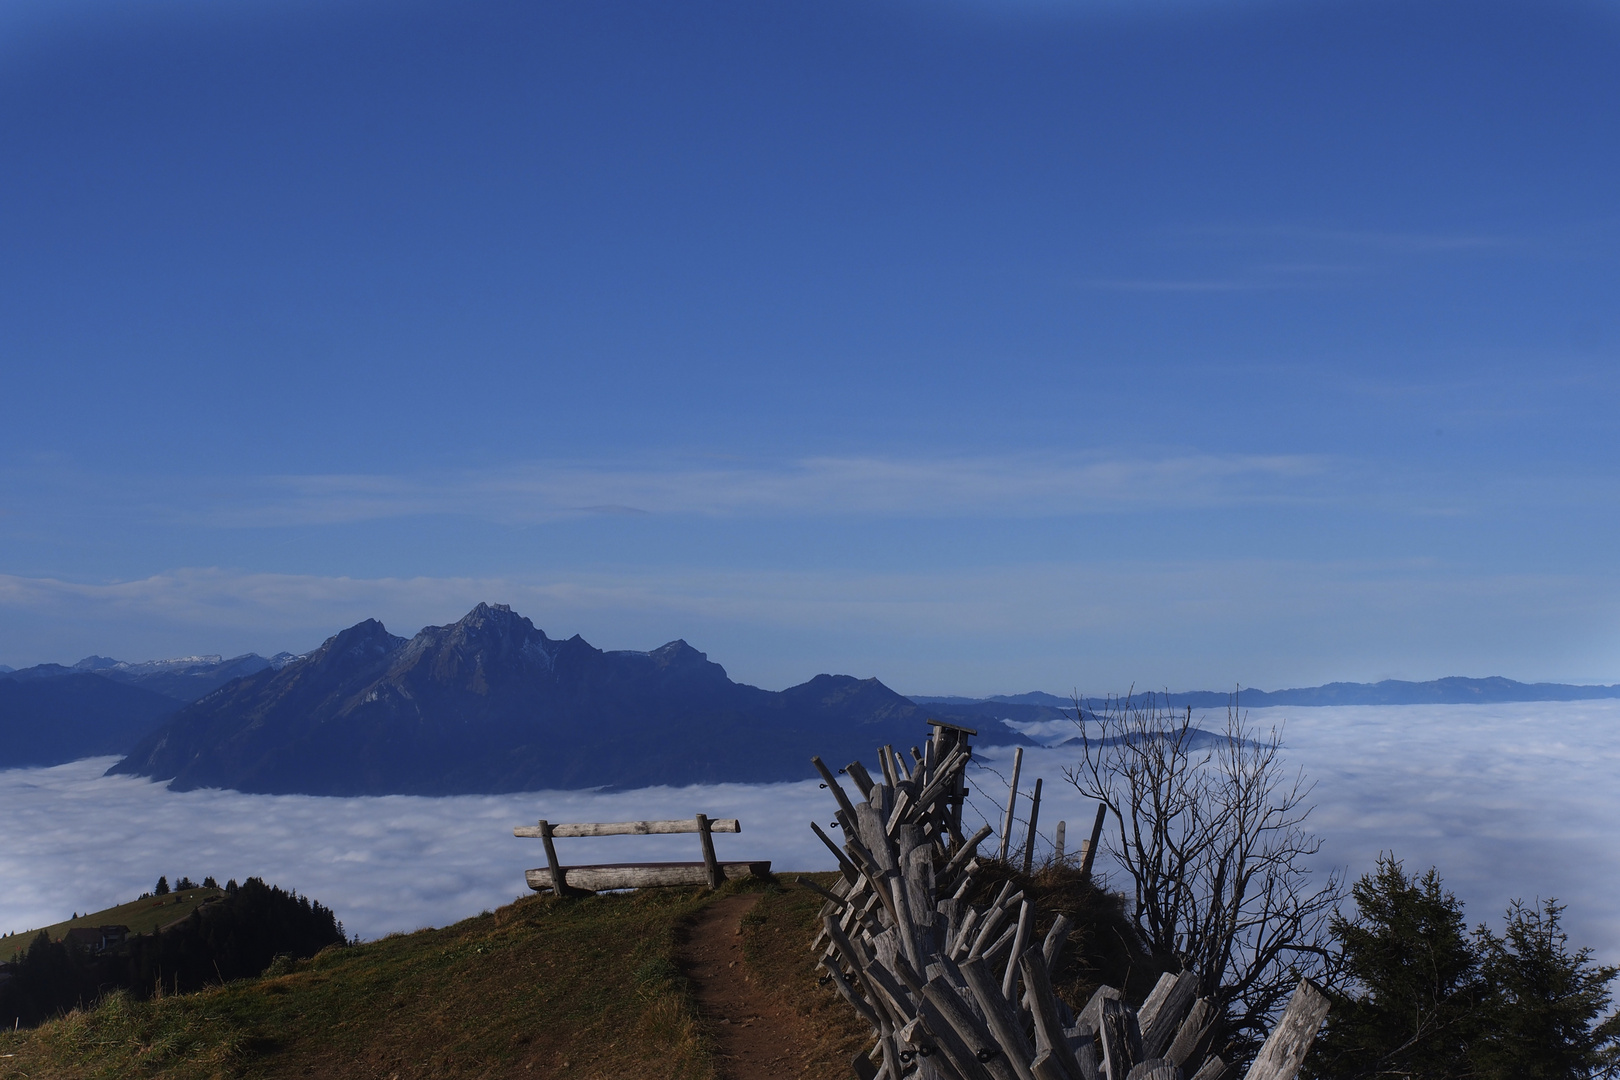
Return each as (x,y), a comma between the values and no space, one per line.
(1089,854)
(558,886)
(1029,841)
(710,863)
(1012,801)
(1057,856)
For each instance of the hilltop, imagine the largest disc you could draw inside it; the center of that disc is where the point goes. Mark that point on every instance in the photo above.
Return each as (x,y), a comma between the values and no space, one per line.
(147,915)
(592,987)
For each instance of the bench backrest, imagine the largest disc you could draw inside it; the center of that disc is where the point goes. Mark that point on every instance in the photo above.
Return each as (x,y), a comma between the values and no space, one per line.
(629,828)
(699,823)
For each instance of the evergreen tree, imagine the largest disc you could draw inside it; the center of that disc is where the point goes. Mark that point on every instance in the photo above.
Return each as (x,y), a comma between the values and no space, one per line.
(1547,1003)
(1427,1001)
(1414,982)
(162,887)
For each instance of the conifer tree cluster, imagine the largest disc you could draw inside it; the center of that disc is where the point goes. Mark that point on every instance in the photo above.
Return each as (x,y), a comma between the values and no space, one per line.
(234,938)
(1423,997)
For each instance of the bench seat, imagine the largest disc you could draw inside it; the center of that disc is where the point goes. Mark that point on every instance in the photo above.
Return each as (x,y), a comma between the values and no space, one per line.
(641,875)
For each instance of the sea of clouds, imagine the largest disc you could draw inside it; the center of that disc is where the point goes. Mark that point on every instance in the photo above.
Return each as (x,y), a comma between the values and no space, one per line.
(1514,800)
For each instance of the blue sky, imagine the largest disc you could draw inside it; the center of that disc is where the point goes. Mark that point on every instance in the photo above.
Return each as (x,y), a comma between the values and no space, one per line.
(977,346)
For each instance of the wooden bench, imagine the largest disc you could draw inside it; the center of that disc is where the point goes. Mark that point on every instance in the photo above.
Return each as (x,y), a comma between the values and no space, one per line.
(575,879)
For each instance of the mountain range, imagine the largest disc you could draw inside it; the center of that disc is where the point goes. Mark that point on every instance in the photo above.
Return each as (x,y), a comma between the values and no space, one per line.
(492,704)
(1453,690)
(50,713)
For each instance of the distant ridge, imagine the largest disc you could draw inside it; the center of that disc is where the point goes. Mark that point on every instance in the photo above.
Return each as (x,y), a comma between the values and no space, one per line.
(184,679)
(1452,690)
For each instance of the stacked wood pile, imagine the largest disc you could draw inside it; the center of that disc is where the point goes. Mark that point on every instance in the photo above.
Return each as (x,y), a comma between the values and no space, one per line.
(958,992)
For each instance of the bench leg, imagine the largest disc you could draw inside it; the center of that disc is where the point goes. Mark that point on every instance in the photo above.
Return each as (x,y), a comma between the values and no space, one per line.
(710,863)
(559,887)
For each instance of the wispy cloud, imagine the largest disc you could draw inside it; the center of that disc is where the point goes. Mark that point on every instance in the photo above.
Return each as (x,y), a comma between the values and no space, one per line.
(1027,486)
(1267,257)
(1173,285)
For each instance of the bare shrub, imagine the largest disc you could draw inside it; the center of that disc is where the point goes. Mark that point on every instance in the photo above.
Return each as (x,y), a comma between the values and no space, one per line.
(1210,828)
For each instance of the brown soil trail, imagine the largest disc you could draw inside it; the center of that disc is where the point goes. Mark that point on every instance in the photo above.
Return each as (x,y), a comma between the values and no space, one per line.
(757,1037)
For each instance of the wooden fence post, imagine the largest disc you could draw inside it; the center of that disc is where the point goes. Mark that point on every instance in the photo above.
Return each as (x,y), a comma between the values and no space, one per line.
(1089,855)
(710,863)
(1012,800)
(1057,846)
(1029,841)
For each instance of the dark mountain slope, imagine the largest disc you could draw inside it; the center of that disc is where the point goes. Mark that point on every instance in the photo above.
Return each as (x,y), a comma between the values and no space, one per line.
(492,704)
(48,721)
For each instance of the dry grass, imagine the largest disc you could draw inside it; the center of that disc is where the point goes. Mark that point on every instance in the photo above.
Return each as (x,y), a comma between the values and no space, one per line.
(585,988)
(1103,947)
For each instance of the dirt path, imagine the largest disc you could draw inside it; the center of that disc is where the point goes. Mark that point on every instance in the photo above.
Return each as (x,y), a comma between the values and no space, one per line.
(758,1038)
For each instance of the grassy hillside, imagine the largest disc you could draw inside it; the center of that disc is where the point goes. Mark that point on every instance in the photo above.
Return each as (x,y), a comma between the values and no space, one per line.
(141,916)
(585,988)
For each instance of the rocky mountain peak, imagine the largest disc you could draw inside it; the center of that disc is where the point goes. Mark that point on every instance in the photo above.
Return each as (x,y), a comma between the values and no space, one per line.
(363,642)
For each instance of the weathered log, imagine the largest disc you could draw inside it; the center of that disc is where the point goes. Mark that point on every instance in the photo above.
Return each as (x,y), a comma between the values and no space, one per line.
(1091,1015)
(1159,1028)
(1212,1069)
(1083,1041)
(963,1058)
(1155,1069)
(1285,1048)
(945,777)
(642,875)
(1192,1034)
(1043,1007)
(628,828)
(1046,1066)
(993,920)
(863,780)
(965,852)
(942,995)
(1156,996)
(1056,938)
(850,871)
(1121,1039)
(834,786)
(855,1000)
(964,934)
(1026,913)
(999,1015)
(965,882)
